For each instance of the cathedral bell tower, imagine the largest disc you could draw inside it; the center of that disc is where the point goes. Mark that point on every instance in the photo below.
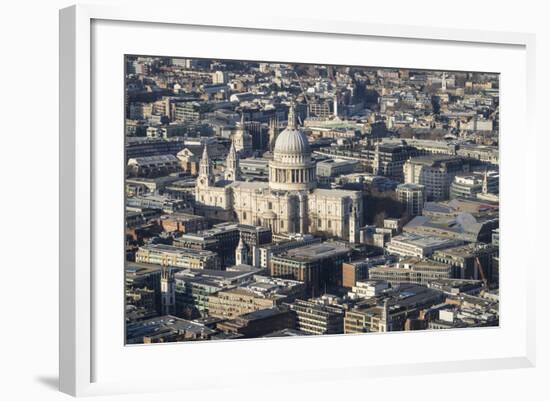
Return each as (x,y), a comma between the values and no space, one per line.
(231,172)
(206,178)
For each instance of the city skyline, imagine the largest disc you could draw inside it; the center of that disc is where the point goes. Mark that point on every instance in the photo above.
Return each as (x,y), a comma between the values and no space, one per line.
(268,199)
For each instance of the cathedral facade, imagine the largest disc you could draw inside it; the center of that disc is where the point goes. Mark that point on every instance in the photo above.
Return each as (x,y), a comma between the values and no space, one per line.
(289,202)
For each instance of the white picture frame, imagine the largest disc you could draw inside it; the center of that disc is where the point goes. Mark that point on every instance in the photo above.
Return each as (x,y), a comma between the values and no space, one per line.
(80,343)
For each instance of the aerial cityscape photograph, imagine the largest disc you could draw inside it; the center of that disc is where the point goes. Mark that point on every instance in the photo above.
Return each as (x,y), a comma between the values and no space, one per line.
(269,199)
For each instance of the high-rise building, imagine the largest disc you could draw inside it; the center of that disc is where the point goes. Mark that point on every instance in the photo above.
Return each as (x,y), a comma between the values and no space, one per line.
(412,197)
(436,173)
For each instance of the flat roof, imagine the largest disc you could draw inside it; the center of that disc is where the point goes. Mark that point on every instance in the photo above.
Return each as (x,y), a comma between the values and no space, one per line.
(336,193)
(471,249)
(315,251)
(175,249)
(215,274)
(421,240)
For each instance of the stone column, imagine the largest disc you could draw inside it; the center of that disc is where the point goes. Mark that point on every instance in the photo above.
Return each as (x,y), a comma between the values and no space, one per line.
(302,213)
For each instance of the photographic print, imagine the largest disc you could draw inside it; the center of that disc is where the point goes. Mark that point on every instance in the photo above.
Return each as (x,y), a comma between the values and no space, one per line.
(275,199)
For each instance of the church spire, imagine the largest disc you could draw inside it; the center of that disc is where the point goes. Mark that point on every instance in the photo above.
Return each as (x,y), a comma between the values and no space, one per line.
(232,151)
(205,161)
(205,169)
(168,292)
(232,164)
(241,252)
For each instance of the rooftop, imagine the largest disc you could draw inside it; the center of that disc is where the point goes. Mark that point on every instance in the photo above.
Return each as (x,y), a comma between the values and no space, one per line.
(315,251)
(425,241)
(163,325)
(175,250)
(222,275)
(435,160)
(469,250)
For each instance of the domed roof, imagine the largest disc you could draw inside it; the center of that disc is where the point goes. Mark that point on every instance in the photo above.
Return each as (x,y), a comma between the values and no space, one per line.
(291,141)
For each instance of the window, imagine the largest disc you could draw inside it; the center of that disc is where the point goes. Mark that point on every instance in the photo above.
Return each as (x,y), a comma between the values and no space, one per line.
(282,224)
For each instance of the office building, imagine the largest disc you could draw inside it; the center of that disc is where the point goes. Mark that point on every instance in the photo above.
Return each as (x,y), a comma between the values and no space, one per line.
(391,310)
(317,265)
(462,219)
(471,261)
(412,197)
(260,322)
(352,272)
(166,329)
(317,318)
(182,222)
(152,166)
(260,293)
(412,270)
(435,173)
(418,245)
(167,255)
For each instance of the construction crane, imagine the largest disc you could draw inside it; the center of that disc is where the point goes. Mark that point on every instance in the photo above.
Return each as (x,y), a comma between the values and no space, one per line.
(480,270)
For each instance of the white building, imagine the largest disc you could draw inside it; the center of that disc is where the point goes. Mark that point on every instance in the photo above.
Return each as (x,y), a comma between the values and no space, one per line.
(290,202)
(435,173)
(220,77)
(368,289)
(421,246)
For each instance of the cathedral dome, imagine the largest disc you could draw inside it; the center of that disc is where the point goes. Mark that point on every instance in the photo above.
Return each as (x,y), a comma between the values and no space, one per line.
(291,145)
(291,142)
(291,168)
